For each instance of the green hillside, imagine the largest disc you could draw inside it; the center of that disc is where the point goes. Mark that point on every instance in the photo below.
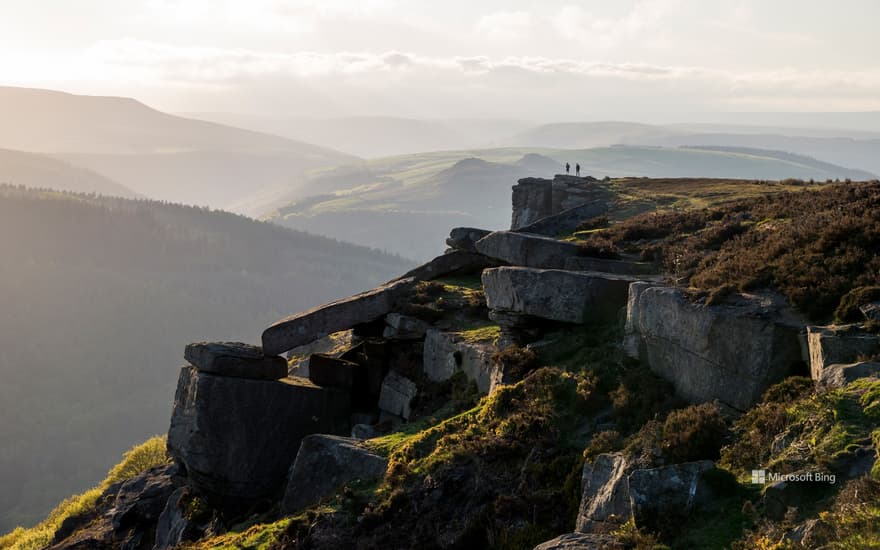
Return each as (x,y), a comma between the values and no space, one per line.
(100,296)
(42,171)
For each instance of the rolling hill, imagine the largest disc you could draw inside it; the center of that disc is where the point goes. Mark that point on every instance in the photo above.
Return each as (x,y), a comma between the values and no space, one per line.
(406,201)
(99,297)
(155,154)
(44,172)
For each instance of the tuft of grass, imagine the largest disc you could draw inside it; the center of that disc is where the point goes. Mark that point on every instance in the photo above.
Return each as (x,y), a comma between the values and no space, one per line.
(261,536)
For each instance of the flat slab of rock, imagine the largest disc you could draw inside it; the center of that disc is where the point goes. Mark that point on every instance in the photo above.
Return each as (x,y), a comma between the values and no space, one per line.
(238,437)
(526,249)
(603,265)
(730,352)
(463,238)
(455,262)
(566,221)
(567,296)
(235,359)
(396,395)
(404,327)
(838,344)
(840,375)
(323,465)
(318,322)
(605,499)
(581,541)
(325,370)
(446,353)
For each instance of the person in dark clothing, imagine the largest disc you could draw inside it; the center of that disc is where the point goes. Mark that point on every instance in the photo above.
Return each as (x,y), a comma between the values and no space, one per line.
(567,168)
(577,169)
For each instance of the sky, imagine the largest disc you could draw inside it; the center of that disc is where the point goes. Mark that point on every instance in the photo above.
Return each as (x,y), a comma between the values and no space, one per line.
(652,60)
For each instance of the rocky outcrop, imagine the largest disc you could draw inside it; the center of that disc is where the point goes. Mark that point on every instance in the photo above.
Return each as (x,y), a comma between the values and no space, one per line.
(838,376)
(871,311)
(536,198)
(333,372)
(323,465)
(177,524)
(235,359)
(567,221)
(662,494)
(454,262)
(315,323)
(567,296)
(730,352)
(581,541)
(525,249)
(397,394)
(841,344)
(237,437)
(446,353)
(617,267)
(605,498)
(404,327)
(463,238)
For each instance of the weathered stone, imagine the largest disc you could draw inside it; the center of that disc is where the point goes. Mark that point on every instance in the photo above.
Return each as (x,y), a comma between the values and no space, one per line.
(141,499)
(365,431)
(525,249)
(731,352)
(404,327)
(632,340)
(463,238)
(235,359)
(567,296)
(841,375)
(537,198)
(605,498)
(871,311)
(323,465)
(396,395)
(330,371)
(175,528)
(446,353)
(581,541)
(566,221)
(238,437)
(839,345)
(318,322)
(669,492)
(455,262)
(603,265)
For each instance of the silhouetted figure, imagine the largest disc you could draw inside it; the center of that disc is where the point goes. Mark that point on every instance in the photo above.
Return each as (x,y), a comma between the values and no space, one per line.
(567,168)
(577,169)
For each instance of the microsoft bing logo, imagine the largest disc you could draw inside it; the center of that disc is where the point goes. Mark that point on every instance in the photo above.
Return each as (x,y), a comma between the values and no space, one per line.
(759,477)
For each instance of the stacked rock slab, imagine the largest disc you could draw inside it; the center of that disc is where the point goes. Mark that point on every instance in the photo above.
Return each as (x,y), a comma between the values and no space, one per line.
(463,238)
(323,465)
(730,352)
(557,295)
(446,353)
(617,267)
(310,325)
(235,359)
(454,262)
(525,249)
(536,198)
(237,437)
(397,394)
(839,375)
(838,345)
(566,221)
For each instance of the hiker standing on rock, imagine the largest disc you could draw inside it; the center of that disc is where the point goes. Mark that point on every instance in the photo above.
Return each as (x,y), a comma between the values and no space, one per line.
(577,169)
(567,168)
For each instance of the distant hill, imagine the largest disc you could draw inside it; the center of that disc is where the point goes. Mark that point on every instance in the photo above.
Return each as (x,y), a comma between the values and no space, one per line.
(408,203)
(153,153)
(99,297)
(379,136)
(42,171)
(584,135)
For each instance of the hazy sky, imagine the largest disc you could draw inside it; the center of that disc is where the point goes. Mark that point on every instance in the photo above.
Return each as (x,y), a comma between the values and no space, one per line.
(624,59)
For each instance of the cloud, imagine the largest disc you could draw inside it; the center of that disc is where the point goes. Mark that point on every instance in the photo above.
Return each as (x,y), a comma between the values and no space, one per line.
(504,26)
(576,23)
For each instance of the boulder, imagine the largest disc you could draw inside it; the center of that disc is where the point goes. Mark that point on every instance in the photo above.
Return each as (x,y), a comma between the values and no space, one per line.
(731,352)
(632,340)
(659,494)
(605,499)
(525,249)
(175,527)
(617,267)
(454,262)
(537,198)
(318,322)
(141,499)
(838,344)
(567,221)
(871,311)
(581,541)
(841,375)
(794,493)
(567,296)
(235,359)
(323,465)
(237,437)
(463,238)
(396,395)
(325,370)
(446,353)
(404,327)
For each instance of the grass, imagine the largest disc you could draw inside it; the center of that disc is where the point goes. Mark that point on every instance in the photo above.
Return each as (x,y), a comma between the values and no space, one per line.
(261,536)
(136,460)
